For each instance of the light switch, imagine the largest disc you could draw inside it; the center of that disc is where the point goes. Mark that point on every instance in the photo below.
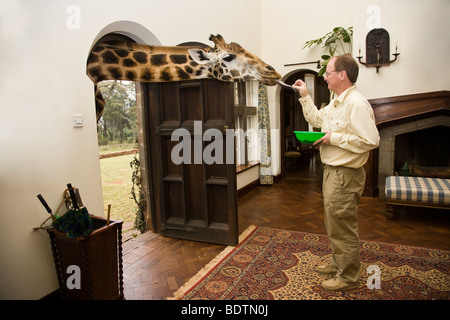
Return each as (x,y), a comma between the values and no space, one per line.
(78,121)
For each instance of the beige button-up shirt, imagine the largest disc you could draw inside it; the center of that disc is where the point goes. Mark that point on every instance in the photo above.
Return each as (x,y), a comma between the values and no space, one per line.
(350,119)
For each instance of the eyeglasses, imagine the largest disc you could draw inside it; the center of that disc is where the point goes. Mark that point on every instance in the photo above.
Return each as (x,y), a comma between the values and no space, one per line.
(327,74)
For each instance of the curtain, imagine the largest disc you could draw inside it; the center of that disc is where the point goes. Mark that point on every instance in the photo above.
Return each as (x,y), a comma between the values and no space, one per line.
(266,176)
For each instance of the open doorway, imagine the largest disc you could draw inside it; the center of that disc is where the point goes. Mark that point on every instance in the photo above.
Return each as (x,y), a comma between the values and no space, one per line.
(119,151)
(183,195)
(118,140)
(294,155)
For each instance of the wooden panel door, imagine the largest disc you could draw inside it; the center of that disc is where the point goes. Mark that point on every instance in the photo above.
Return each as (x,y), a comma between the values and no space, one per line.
(193,200)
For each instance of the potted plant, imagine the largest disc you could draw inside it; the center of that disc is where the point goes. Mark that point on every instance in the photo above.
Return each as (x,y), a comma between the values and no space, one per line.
(337,41)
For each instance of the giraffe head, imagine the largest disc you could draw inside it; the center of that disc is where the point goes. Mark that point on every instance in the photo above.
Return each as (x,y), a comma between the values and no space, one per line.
(116,60)
(229,62)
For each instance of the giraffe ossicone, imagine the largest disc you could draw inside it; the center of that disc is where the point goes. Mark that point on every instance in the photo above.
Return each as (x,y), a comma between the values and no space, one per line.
(143,63)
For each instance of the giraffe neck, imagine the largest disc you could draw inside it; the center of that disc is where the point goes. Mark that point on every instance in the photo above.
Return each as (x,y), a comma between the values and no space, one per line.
(138,62)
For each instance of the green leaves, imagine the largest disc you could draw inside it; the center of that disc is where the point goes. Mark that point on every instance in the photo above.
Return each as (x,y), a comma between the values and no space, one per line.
(324,63)
(333,40)
(139,198)
(337,41)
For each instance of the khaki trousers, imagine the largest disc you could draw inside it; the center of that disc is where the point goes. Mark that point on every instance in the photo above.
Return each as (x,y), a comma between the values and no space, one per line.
(342,189)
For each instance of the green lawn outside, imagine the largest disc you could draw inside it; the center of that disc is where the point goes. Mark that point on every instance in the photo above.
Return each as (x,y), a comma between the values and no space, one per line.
(116,181)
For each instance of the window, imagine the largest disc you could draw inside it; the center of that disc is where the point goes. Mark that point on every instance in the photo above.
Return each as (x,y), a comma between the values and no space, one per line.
(246,128)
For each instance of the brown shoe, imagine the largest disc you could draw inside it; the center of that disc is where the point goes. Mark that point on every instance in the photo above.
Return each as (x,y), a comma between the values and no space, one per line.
(326,269)
(337,284)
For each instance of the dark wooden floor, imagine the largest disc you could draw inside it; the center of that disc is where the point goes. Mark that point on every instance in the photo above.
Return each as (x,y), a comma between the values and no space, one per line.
(155,267)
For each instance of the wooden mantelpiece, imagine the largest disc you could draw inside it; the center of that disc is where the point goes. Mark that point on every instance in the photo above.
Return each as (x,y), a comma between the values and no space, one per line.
(401,109)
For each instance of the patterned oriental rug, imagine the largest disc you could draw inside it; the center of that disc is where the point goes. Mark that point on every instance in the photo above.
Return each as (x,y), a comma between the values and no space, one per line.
(278,264)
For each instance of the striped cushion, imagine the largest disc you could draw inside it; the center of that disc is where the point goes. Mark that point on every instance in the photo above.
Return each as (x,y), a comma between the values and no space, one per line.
(418,189)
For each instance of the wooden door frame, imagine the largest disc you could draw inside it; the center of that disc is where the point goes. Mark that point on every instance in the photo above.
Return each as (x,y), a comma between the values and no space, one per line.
(143,117)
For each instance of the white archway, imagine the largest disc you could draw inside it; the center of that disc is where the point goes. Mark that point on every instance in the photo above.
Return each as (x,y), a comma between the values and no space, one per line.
(131,29)
(140,34)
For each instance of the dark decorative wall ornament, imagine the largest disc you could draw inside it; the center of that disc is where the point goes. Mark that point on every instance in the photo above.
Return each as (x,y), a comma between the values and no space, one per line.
(377,49)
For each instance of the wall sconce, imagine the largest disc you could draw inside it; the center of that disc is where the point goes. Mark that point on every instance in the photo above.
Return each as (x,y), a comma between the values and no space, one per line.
(377,49)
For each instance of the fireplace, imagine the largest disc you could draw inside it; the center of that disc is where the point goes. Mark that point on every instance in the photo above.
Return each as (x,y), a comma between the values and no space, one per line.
(424,148)
(399,147)
(414,131)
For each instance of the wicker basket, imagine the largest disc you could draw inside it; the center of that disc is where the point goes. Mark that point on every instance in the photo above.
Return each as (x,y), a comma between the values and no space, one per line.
(99,257)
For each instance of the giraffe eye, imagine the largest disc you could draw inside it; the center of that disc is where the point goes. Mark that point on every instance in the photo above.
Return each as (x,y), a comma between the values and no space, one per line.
(229,58)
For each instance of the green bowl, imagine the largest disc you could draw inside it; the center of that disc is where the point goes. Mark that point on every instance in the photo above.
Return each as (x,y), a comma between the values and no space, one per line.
(308,137)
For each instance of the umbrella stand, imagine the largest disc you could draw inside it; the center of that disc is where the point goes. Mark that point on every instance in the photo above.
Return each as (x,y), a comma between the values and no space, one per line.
(94,244)
(99,257)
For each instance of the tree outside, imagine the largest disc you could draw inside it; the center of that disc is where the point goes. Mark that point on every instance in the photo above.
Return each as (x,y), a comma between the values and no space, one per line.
(118,123)
(117,131)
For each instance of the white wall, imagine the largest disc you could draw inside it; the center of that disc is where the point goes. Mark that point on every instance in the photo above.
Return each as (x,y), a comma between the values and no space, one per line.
(43,84)
(420,28)
(286,26)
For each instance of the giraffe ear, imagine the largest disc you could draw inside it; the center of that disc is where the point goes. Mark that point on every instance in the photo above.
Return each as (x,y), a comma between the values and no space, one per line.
(202,57)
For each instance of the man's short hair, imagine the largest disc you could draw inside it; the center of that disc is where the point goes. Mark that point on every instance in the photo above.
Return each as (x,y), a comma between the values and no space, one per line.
(346,63)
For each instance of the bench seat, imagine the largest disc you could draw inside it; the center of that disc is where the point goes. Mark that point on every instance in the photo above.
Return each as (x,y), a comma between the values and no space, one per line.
(417,191)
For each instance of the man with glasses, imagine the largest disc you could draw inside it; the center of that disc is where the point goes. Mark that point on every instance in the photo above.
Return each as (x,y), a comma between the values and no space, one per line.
(350,134)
